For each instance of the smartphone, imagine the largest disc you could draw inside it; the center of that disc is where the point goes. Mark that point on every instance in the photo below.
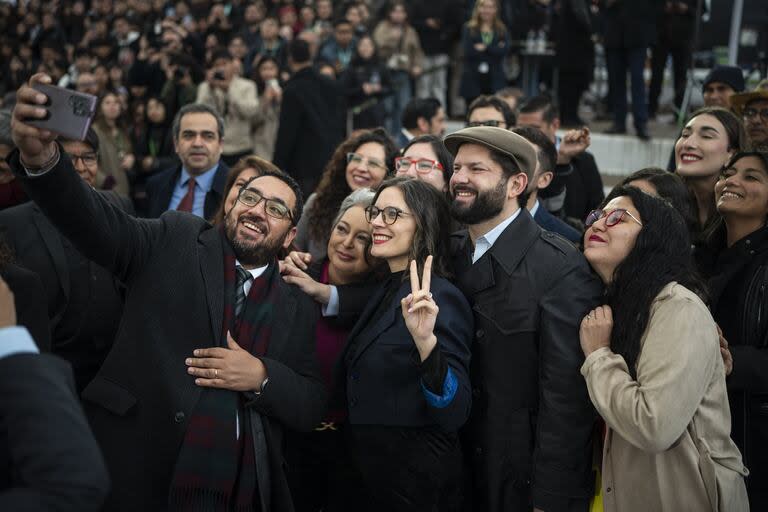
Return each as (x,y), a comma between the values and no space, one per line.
(69,112)
(274,84)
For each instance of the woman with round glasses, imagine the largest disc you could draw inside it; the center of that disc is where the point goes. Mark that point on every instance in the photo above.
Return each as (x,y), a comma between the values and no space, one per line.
(653,366)
(362,161)
(406,367)
(426,158)
(735,262)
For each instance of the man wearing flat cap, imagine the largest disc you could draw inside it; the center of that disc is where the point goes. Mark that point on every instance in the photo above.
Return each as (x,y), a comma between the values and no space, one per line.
(528,440)
(752,107)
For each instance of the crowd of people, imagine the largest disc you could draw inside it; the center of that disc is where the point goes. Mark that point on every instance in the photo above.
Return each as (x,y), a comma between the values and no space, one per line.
(270,281)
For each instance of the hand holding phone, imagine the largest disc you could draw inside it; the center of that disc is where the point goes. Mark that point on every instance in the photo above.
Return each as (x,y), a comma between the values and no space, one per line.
(69,113)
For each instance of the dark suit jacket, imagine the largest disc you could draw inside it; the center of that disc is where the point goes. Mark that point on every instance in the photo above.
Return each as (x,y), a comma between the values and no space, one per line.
(583,187)
(142,398)
(383,368)
(551,223)
(160,190)
(630,24)
(529,434)
(49,460)
(30,310)
(492,58)
(312,124)
(84,300)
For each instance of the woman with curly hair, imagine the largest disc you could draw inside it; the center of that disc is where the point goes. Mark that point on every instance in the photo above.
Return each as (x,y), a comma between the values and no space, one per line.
(653,365)
(361,161)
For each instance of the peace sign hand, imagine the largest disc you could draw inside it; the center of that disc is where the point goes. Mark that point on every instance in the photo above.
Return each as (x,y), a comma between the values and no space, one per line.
(420,311)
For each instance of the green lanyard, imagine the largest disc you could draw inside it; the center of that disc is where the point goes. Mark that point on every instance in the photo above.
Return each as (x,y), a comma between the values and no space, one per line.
(487,38)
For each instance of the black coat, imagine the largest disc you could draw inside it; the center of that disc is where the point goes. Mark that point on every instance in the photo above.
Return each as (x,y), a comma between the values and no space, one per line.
(49,460)
(529,434)
(140,402)
(312,124)
(369,109)
(575,48)
(491,60)
(84,301)
(629,23)
(30,310)
(738,283)
(160,190)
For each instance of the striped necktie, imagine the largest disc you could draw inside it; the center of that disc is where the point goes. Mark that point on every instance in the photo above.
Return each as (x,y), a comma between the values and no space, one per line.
(242,277)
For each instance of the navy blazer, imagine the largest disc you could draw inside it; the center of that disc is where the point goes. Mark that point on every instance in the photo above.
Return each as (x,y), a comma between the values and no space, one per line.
(551,223)
(383,375)
(160,190)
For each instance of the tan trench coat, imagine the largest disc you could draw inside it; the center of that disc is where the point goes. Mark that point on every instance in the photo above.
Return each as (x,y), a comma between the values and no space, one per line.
(668,446)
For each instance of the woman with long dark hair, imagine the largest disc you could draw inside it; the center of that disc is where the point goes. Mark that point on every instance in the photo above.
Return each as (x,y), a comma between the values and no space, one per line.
(116,156)
(366,83)
(407,369)
(709,139)
(427,159)
(735,262)
(364,160)
(653,365)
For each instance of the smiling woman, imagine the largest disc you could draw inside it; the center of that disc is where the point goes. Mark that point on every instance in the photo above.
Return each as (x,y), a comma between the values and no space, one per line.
(734,261)
(364,160)
(710,137)
(652,352)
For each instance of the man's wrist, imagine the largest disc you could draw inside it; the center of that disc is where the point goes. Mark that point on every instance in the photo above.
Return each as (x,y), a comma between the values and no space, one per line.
(41,163)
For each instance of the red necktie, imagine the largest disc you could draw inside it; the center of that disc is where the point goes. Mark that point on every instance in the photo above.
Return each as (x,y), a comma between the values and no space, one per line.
(189,199)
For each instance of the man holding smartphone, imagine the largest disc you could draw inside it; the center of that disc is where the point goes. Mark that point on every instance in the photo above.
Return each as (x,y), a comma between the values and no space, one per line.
(235,99)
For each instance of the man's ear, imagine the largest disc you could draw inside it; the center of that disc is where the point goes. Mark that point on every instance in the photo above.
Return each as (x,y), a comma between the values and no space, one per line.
(544,180)
(517,185)
(423,124)
(289,237)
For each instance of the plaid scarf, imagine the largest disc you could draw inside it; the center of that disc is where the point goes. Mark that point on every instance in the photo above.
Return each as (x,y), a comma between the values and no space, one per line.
(216,470)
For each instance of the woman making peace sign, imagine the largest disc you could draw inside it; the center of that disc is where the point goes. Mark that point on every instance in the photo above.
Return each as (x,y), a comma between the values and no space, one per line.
(407,379)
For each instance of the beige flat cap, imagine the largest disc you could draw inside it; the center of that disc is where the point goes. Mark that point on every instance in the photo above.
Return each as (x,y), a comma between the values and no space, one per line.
(498,139)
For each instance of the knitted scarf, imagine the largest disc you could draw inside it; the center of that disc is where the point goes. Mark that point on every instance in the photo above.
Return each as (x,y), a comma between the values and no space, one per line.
(215,470)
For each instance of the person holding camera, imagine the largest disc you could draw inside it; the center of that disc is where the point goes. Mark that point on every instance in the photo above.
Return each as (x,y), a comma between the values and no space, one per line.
(235,99)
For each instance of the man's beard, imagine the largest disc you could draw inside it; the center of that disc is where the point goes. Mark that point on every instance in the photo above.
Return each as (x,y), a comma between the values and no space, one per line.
(252,253)
(487,204)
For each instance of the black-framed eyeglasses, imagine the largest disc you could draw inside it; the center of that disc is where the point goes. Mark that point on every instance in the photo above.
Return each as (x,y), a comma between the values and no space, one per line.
(274,208)
(371,163)
(389,214)
(88,159)
(612,217)
(423,165)
(751,113)
(491,122)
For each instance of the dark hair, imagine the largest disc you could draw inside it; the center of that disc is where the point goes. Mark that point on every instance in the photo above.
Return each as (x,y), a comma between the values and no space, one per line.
(247,162)
(541,103)
(443,155)
(662,254)
(419,107)
(197,108)
(496,103)
(260,85)
(734,128)
(298,51)
(546,152)
(288,180)
(341,20)
(429,208)
(670,187)
(333,187)
(219,53)
(760,155)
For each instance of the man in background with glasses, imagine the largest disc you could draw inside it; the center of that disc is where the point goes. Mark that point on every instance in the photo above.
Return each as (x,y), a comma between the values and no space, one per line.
(84,300)
(753,109)
(215,354)
(490,111)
